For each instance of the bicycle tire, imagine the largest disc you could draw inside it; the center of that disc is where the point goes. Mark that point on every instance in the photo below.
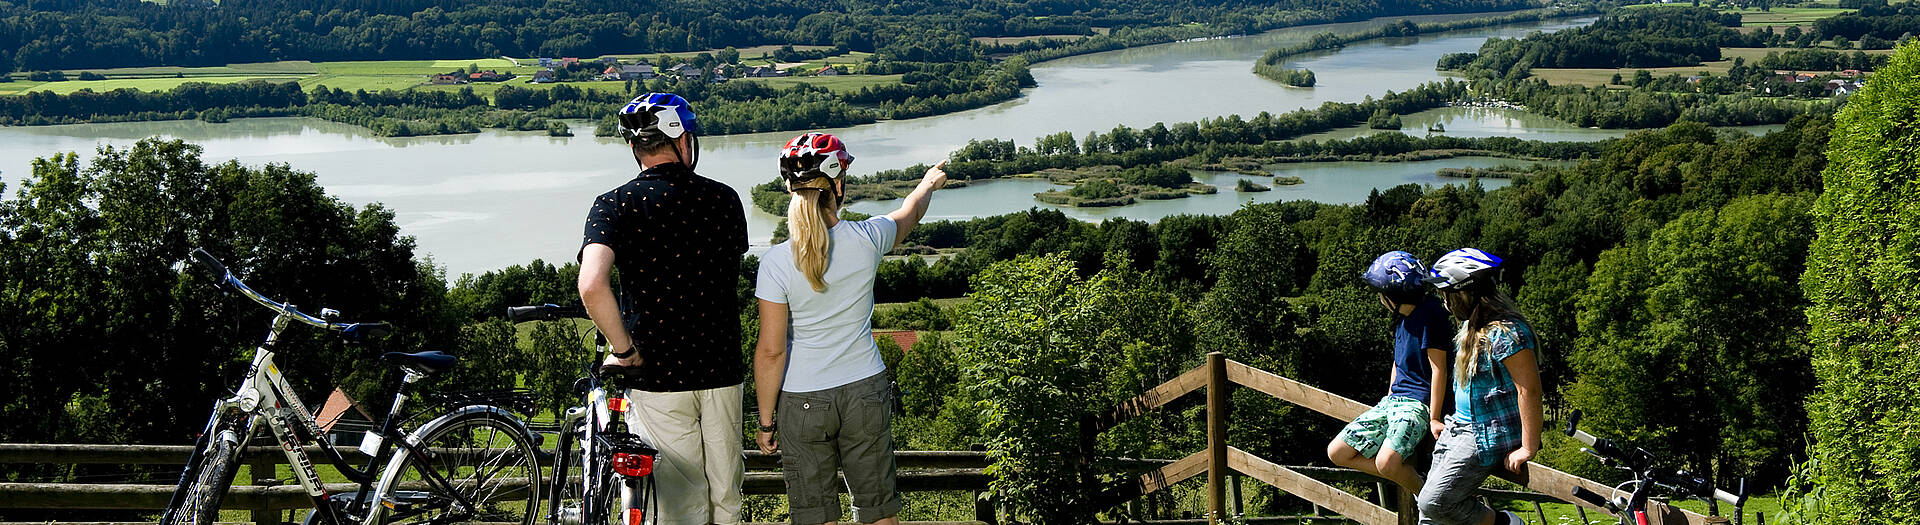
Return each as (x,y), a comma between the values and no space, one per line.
(485,458)
(202,502)
(577,503)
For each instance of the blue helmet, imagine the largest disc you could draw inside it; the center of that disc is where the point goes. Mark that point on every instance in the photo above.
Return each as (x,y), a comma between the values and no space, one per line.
(657,116)
(1464,268)
(1396,273)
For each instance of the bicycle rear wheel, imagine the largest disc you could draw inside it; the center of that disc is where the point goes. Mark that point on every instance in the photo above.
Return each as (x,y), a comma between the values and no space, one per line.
(201,503)
(477,468)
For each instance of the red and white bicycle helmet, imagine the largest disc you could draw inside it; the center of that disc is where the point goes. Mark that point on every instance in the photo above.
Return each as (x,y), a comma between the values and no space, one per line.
(812,156)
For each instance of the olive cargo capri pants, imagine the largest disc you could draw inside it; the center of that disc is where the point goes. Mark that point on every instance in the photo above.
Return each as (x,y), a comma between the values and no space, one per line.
(844,428)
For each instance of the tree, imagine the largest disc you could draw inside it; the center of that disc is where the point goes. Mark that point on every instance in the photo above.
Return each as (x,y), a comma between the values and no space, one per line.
(89,265)
(1864,462)
(1695,362)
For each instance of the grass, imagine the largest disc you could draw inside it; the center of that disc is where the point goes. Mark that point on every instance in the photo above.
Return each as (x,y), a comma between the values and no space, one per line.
(838,84)
(17,87)
(944,304)
(146,84)
(1784,16)
(1565,513)
(1008,40)
(1600,76)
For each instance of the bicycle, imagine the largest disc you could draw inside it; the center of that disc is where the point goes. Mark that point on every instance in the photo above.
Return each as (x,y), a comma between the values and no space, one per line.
(476,462)
(1646,477)
(615,485)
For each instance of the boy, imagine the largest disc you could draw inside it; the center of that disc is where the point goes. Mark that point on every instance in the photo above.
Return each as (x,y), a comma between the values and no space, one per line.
(1379,441)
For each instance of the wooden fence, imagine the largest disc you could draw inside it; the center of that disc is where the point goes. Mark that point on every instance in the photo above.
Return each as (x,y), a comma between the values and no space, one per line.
(1219,460)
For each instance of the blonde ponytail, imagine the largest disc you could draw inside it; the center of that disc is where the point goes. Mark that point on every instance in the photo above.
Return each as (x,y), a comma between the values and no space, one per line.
(807,220)
(1491,307)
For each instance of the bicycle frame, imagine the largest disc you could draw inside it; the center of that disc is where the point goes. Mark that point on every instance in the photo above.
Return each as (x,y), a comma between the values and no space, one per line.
(264,397)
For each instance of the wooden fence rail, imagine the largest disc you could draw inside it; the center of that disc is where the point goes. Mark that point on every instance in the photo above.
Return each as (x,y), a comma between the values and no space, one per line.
(1219,460)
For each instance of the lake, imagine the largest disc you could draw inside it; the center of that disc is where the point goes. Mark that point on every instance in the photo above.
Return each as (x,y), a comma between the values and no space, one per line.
(483,201)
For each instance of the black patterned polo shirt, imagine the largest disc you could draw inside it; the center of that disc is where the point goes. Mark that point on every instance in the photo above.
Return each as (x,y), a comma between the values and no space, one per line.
(677,239)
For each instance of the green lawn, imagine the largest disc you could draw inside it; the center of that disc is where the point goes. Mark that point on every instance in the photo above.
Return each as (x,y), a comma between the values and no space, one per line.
(1006,40)
(149,84)
(942,303)
(291,67)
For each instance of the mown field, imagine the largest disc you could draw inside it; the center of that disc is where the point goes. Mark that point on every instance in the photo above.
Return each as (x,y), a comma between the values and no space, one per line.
(403,74)
(1596,77)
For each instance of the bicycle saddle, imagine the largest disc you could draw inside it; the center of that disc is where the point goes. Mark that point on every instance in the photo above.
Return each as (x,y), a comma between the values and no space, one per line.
(432,361)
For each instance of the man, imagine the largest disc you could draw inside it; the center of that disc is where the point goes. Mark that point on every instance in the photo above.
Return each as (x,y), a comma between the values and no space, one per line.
(677,239)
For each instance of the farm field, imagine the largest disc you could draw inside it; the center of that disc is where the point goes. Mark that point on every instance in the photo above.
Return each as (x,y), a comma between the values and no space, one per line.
(1006,40)
(395,75)
(1595,77)
(144,84)
(838,84)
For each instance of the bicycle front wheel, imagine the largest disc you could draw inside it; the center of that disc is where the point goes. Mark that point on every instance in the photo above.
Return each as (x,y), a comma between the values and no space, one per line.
(480,467)
(201,503)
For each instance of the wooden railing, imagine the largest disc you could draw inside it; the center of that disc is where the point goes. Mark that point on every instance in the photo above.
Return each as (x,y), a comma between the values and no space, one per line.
(267,497)
(1219,460)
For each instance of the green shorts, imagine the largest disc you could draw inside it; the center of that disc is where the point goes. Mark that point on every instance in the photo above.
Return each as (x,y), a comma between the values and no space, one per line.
(1399,423)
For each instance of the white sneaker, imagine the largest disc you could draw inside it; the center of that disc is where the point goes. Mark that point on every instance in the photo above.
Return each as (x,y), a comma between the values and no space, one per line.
(1514,519)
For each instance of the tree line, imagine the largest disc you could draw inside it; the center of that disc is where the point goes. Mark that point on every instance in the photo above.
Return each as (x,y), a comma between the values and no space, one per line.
(70,34)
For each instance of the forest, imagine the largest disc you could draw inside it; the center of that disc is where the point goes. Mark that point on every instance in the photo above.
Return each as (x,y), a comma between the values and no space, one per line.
(72,34)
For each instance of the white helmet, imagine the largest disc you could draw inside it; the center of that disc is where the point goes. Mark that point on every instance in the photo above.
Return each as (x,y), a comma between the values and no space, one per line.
(1464,268)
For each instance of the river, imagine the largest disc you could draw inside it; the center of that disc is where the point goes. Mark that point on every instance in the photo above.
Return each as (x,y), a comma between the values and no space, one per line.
(483,201)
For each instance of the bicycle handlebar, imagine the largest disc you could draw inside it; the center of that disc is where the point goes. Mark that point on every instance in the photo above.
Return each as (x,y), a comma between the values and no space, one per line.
(1593,499)
(545,312)
(352,332)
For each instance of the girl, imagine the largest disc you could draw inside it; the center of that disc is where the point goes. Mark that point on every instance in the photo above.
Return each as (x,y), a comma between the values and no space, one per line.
(1496,391)
(816,362)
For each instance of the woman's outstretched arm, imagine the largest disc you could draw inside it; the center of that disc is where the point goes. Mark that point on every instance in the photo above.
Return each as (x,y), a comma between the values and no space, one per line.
(915,207)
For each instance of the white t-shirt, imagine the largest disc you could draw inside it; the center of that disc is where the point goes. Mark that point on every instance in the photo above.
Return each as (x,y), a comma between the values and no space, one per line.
(830,339)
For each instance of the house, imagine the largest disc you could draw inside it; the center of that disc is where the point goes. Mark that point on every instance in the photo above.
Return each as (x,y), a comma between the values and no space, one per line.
(685,71)
(1851,73)
(636,72)
(827,71)
(448,78)
(719,78)
(569,61)
(610,73)
(904,338)
(342,420)
(1803,78)
(609,61)
(545,62)
(488,76)
(544,76)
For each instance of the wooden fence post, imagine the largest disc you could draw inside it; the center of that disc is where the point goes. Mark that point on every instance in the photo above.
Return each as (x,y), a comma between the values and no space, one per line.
(1216,436)
(1405,507)
(262,470)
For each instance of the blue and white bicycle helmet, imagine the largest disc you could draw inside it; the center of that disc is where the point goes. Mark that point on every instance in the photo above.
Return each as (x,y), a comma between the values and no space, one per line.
(1396,273)
(1464,268)
(657,116)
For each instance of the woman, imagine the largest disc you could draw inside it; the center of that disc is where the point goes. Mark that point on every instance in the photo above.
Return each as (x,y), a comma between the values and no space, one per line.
(1496,392)
(816,361)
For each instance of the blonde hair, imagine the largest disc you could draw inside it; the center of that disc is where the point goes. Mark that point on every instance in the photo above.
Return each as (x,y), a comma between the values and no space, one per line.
(1490,306)
(807,220)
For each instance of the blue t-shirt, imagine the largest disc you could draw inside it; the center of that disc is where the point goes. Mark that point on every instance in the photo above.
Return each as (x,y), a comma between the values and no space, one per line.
(1430,326)
(830,335)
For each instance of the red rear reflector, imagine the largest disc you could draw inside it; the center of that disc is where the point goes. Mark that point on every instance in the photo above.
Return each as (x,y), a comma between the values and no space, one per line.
(632,465)
(633,517)
(617,404)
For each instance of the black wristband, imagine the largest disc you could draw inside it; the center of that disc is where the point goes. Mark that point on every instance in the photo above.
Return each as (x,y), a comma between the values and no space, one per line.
(631,349)
(769,428)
